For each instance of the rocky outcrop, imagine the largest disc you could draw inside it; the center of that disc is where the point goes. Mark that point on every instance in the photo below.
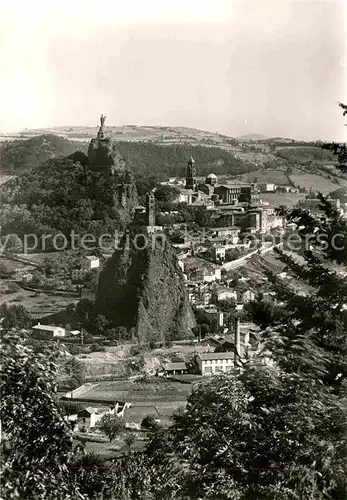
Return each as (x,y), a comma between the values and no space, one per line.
(110,172)
(143,289)
(103,156)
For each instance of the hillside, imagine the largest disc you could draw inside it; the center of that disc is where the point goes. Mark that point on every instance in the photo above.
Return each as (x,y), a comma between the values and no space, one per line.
(22,155)
(252,137)
(156,153)
(142,157)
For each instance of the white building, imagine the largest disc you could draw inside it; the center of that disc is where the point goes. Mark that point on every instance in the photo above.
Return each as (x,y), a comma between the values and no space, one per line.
(90,262)
(218,252)
(225,294)
(181,265)
(211,363)
(89,417)
(248,296)
(48,331)
(267,188)
(206,274)
(231,233)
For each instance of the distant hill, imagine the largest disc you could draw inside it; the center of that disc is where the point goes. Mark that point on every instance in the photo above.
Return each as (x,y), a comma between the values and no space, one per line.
(20,156)
(161,152)
(143,157)
(252,137)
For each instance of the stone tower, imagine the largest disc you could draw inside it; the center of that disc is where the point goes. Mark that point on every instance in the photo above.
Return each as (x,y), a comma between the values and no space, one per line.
(191,174)
(150,210)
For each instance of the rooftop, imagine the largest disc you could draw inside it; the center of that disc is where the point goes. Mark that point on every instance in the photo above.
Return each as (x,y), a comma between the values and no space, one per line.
(47,328)
(175,366)
(92,257)
(215,355)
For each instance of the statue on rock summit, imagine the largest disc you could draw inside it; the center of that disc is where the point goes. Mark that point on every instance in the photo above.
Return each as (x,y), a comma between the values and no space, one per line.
(101,133)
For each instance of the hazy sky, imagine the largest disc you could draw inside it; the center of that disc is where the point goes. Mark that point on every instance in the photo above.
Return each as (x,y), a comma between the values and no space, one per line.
(275,67)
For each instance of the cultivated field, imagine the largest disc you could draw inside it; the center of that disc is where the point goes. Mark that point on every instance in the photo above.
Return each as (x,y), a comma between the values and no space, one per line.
(159,398)
(38,304)
(286,199)
(277,176)
(316,182)
(160,389)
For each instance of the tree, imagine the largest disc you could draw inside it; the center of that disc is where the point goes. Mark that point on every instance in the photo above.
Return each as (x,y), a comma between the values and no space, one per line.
(92,280)
(75,371)
(11,244)
(37,441)
(166,195)
(111,425)
(16,316)
(129,440)
(149,424)
(259,434)
(263,312)
(5,271)
(84,310)
(100,324)
(339,150)
(317,316)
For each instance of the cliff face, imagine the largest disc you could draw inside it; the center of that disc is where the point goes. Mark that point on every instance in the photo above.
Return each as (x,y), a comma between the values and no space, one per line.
(144,290)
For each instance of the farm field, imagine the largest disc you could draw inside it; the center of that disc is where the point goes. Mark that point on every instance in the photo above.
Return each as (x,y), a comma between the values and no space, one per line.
(38,305)
(286,199)
(160,390)
(316,182)
(275,176)
(160,398)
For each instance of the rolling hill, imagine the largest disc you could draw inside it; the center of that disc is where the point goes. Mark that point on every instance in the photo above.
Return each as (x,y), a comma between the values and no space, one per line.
(143,148)
(21,155)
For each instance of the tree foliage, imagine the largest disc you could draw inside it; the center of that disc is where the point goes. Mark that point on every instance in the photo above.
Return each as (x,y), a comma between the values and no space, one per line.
(37,441)
(112,426)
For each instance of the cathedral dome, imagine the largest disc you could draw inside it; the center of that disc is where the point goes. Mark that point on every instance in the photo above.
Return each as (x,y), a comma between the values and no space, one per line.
(211,179)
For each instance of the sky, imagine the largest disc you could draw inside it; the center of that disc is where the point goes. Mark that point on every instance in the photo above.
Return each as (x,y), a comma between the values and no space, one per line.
(273,67)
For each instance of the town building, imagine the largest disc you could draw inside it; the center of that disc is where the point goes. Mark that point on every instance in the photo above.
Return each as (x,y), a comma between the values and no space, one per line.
(248,296)
(212,363)
(267,187)
(88,418)
(78,275)
(90,262)
(223,293)
(178,368)
(218,253)
(231,234)
(236,192)
(199,294)
(206,274)
(48,332)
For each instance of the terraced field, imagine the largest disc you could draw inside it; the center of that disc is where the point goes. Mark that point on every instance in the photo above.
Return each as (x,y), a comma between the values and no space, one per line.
(160,390)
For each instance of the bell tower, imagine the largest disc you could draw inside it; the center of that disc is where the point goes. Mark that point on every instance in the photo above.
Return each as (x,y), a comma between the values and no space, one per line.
(191,175)
(150,209)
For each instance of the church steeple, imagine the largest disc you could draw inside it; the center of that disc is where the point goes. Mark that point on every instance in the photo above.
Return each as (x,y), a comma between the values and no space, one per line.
(191,174)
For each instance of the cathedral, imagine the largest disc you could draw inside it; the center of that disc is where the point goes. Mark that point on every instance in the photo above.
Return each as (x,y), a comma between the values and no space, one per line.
(210,191)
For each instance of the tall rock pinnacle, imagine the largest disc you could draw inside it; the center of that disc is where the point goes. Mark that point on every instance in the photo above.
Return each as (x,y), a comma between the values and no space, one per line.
(107,162)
